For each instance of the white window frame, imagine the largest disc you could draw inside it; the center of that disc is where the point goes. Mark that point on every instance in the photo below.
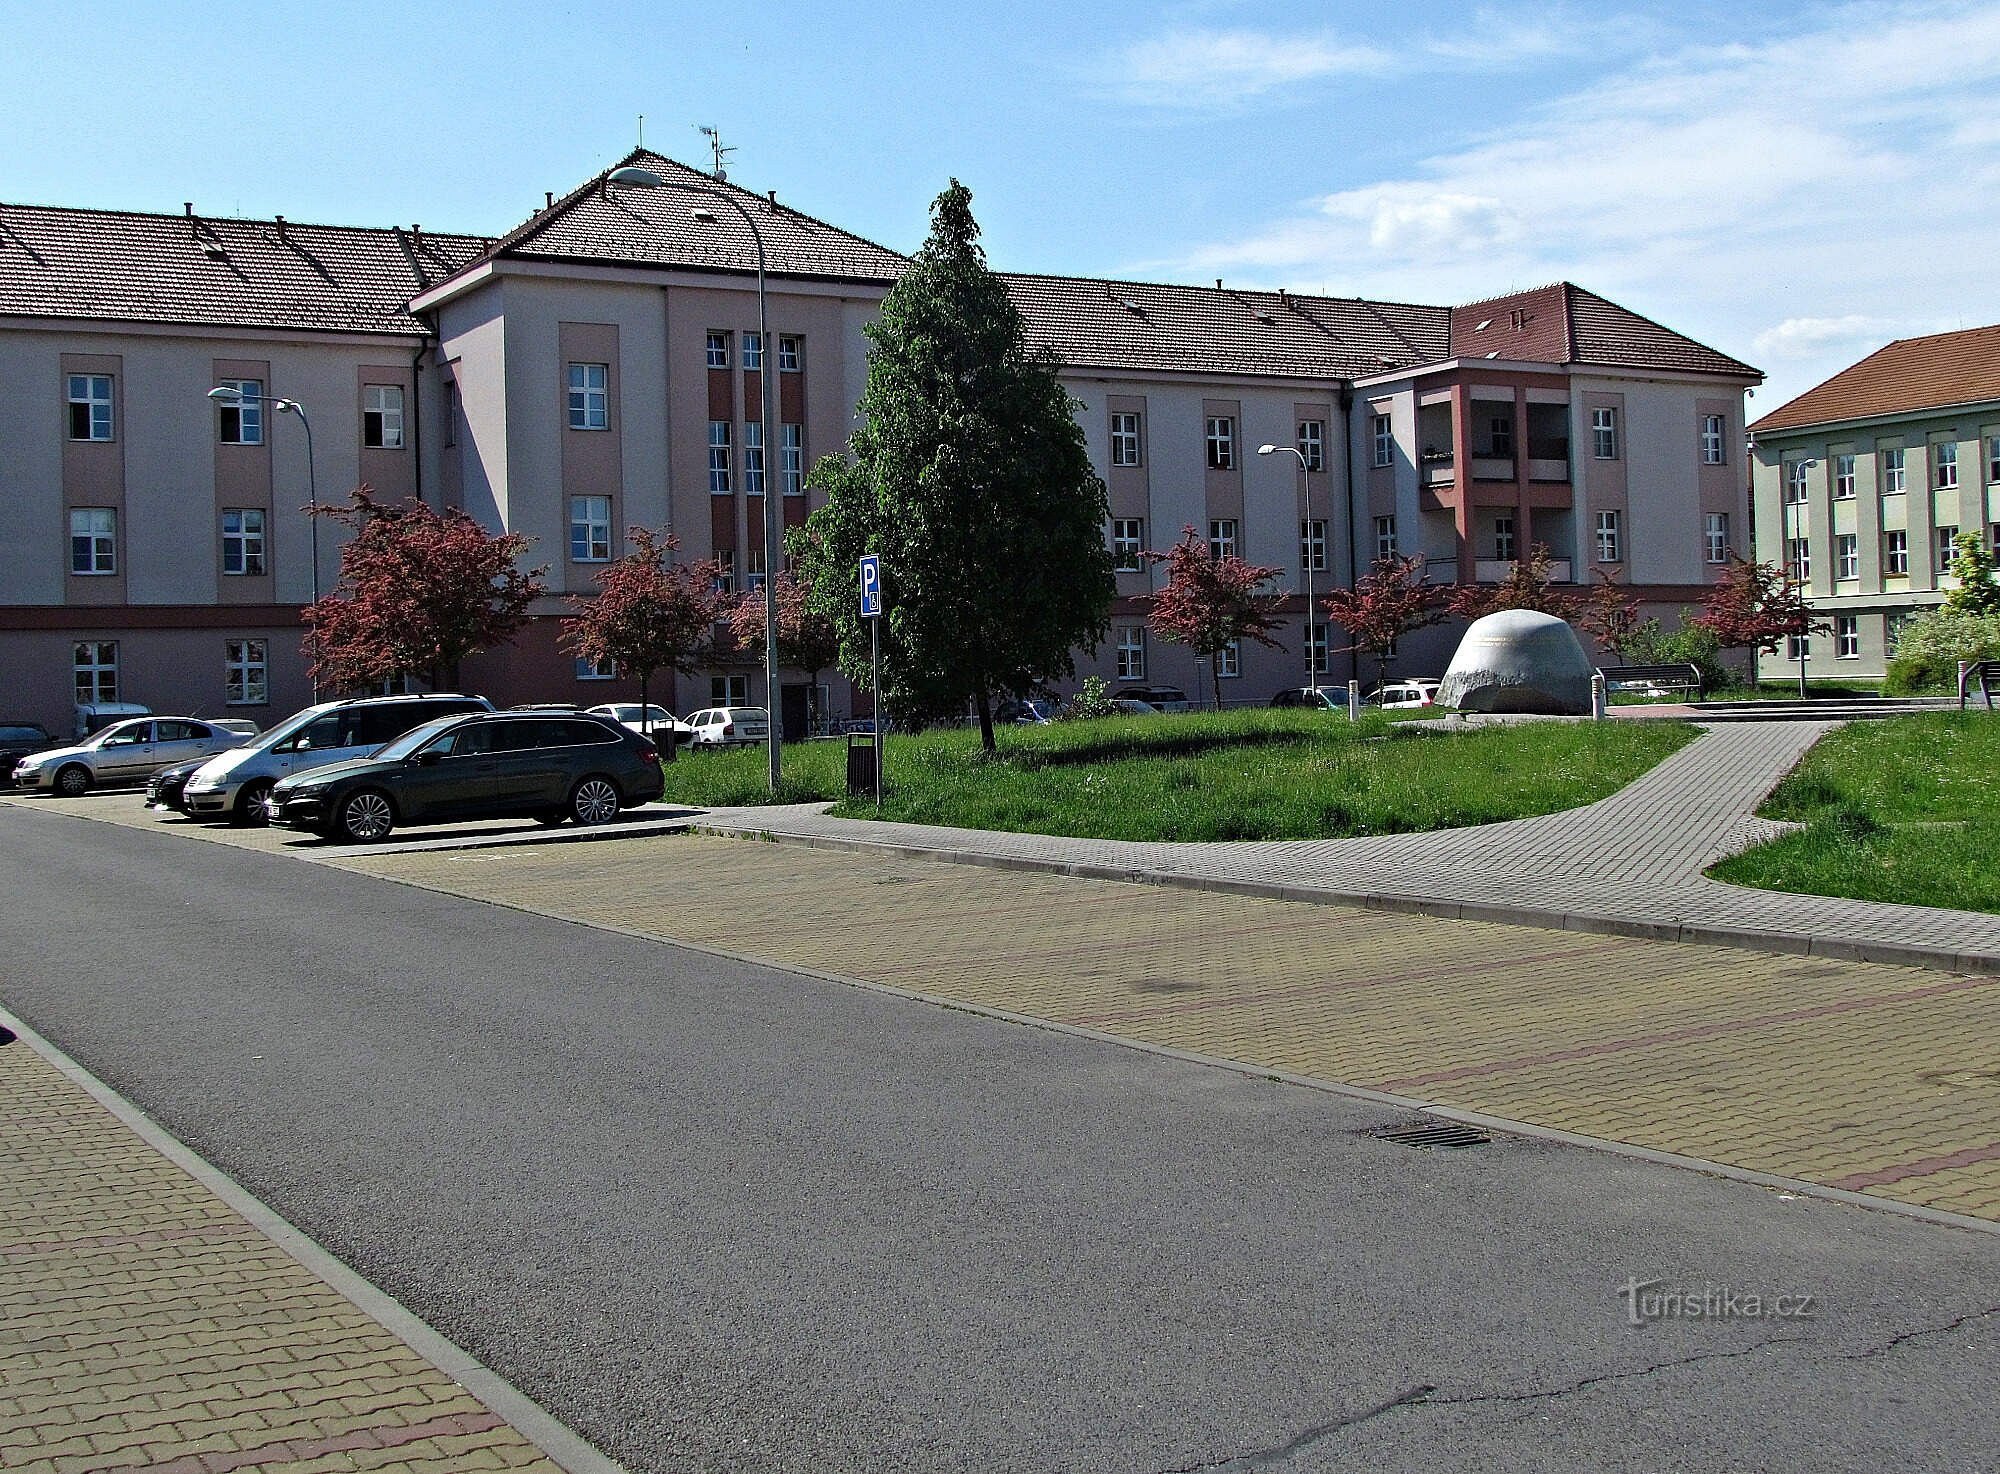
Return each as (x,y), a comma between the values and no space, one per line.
(590,529)
(725,570)
(1125,437)
(1500,436)
(1896,553)
(95,391)
(1604,432)
(1944,463)
(792,459)
(753,458)
(1798,648)
(246,672)
(1895,472)
(789,357)
(382,410)
(1713,429)
(1312,444)
(1131,652)
(1312,544)
(1385,440)
(590,396)
(1716,530)
(715,349)
(753,570)
(1229,660)
(93,541)
(94,670)
(753,353)
(1796,491)
(1317,651)
(1847,636)
(1225,537)
(729,690)
(1843,478)
(1220,438)
(248,412)
(245,540)
(596,670)
(1128,537)
(1947,534)
(721,482)
(1503,540)
(1385,537)
(1846,555)
(1798,558)
(1611,536)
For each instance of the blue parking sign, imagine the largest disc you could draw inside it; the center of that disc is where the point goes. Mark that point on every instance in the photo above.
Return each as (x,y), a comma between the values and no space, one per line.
(871,586)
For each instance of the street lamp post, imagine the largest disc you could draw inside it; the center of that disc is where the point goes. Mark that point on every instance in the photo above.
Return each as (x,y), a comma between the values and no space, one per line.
(639,178)
(1804,637)
(224,394)
(1305,553)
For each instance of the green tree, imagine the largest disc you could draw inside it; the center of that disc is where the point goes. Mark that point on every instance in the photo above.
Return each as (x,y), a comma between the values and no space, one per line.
(1972,566)
(969,476)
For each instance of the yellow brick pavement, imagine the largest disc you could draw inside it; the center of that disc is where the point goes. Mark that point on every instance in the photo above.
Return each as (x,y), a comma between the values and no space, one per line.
(1875,1078)
(149,1326)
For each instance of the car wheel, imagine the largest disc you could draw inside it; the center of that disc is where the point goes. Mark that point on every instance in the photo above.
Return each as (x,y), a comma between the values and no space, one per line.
(594,802)
(365,817)
(73,781)
(253,804)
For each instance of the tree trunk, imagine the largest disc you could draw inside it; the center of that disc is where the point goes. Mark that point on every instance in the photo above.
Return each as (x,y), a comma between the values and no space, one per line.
(984,703)
(1215,677)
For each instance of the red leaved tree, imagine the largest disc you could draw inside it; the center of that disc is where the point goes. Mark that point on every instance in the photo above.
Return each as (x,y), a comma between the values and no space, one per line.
(1753,606)
(807,639)
(1210,601)
(649,613)
(1393,599)
(419,590)
(1529,584)
(1608,615)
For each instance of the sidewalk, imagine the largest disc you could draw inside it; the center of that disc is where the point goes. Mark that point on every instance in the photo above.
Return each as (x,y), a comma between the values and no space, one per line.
(152,1326)
(1631,863)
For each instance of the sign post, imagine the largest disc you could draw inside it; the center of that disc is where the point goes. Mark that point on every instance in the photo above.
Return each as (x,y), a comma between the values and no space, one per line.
(871,610)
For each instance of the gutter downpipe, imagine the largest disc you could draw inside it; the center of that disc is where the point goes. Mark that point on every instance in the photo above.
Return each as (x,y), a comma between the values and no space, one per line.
(1353,562)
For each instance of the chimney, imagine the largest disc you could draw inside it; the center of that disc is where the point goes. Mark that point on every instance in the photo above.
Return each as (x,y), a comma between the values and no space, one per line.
(189,207)
(1218,284)
(416,235)
(1284,298)
(548,199)
(772,197)
(281,229)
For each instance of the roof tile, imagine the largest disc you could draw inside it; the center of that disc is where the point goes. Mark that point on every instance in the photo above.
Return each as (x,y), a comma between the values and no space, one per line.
(1934,372)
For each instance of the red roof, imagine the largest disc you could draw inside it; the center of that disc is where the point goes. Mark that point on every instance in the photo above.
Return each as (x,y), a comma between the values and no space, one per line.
(1936,372)
(1563,323)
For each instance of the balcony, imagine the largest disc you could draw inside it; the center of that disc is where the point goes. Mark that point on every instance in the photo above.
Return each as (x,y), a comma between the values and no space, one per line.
(1439,468)
(1492,468)
(1497,570)
(1549,468)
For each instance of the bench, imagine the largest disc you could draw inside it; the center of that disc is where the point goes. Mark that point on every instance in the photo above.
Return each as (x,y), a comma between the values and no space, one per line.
(1656,677)
(1985,672)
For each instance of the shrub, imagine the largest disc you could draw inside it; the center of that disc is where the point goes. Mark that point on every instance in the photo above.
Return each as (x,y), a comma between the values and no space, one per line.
(1653,644)
(1931,646)
(1092,702)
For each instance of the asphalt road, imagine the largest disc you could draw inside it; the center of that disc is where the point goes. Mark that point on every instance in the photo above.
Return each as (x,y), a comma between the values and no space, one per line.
(719,1216)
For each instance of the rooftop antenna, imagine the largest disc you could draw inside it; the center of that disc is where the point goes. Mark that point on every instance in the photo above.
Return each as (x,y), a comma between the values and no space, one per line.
(721,154)
(642,130)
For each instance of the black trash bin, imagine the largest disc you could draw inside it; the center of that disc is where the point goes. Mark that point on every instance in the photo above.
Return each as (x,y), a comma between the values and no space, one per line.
(863,752)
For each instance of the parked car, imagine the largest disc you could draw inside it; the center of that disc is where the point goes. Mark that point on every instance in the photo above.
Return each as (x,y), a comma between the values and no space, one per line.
(1036,713)
(166,790)
(93,717)
(237,786)
(19,740)
(730,726)
(1160,698)
(238,725)
(1319,698)
(1403,695)
(489,765)
(1127,706)
(649,720)
(126,752)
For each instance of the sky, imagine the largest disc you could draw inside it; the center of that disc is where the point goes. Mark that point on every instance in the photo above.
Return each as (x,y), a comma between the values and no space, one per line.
(1795,184)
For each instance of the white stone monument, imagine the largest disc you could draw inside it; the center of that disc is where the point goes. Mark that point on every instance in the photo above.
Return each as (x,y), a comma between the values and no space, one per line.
(1519,660)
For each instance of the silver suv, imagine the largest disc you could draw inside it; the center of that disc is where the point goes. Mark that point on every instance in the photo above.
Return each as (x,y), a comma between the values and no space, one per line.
(237,786)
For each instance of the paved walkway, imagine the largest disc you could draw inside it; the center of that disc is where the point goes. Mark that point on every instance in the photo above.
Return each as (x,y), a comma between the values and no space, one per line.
(1632,862)
(152,1327)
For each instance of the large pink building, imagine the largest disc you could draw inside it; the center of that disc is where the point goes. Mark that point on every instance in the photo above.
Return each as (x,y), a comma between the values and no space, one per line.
(598,368)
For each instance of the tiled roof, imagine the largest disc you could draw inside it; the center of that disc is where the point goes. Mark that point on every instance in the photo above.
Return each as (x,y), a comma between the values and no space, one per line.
(57,262)
(1563,323)
(1093,323)
(1909,374)
(655,226)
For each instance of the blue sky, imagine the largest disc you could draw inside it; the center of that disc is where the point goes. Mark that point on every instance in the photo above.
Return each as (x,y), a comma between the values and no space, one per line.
(1793,183)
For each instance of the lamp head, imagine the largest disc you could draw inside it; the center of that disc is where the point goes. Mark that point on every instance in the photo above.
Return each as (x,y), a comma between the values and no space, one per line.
(1264,450)
(223,394)
(636,177)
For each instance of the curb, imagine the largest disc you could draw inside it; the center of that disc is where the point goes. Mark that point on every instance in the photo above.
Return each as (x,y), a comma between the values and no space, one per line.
(522,1413)
(1797,944)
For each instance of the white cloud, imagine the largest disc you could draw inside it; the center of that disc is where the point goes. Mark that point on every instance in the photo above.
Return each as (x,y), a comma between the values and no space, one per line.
(1207,68)
(1818,192)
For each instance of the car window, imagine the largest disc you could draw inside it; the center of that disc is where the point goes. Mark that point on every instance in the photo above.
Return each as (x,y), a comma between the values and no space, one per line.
(129,735)
(574,734)
(23,734)
(179,731)
(416,739)
(319,734)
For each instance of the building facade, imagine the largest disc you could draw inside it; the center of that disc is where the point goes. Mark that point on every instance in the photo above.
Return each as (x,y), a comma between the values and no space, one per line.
(599,368)
(1862,483)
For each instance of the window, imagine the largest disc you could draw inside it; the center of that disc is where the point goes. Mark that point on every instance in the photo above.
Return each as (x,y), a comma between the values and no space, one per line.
(95,665)
(1795,482)
(1385,537)
(1711,440)
(792,459)
(1128,535)
(1798,648)
(1993,458)
(1847,636)
(590,529)
(1946,536)
(718,350)
(1312,544)
(1222,538)
(1847,556)
(1892,631)
(753,459)
(718,457)
(90,406)
(1717,528)
(729,690)
(1995,540)
(1896,553)
(246,672)
(1892,472)
(1610,548)
(788,354)
(450,415)
(242,422)
(1843,478)
(1500,435)
(596,670)
(1229,660)
(1132,653)
(1316,649)
(753,353)
(725,570)
(589,396)
(1125,439)
(243,540)
(753,570)
(382,416)
(1503,539)
(1221,442)
(1385,441)
(1798,559)
(1945,456)
(1604,433)
(1312,444)
(93,540)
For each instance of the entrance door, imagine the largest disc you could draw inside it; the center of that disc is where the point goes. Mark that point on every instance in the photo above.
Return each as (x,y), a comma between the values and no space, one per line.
(796,711)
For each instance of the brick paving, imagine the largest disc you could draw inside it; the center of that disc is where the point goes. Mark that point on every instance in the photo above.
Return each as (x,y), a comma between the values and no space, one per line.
(150,1327)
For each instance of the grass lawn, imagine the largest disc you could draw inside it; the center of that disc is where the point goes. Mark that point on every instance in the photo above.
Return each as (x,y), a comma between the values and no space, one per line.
(1898,810)
(1257,774)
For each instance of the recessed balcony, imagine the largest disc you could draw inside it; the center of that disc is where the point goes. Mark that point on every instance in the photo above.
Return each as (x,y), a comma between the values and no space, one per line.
(1498,570)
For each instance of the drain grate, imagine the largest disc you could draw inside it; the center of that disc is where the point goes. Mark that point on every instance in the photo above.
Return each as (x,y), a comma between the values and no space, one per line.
(1443,1134)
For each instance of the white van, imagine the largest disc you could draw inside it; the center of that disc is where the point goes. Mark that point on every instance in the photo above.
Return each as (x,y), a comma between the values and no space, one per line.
(237,785)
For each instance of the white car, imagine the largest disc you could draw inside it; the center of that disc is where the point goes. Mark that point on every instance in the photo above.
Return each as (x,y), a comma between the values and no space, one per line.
(124,752)
(730,726)
(648,720)
(1405,695)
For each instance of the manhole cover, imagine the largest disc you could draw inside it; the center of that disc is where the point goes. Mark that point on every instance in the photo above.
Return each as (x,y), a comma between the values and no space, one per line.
(1444,1134)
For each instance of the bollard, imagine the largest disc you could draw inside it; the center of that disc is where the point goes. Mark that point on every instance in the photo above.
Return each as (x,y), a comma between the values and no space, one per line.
(1354,701)
(1599,700)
